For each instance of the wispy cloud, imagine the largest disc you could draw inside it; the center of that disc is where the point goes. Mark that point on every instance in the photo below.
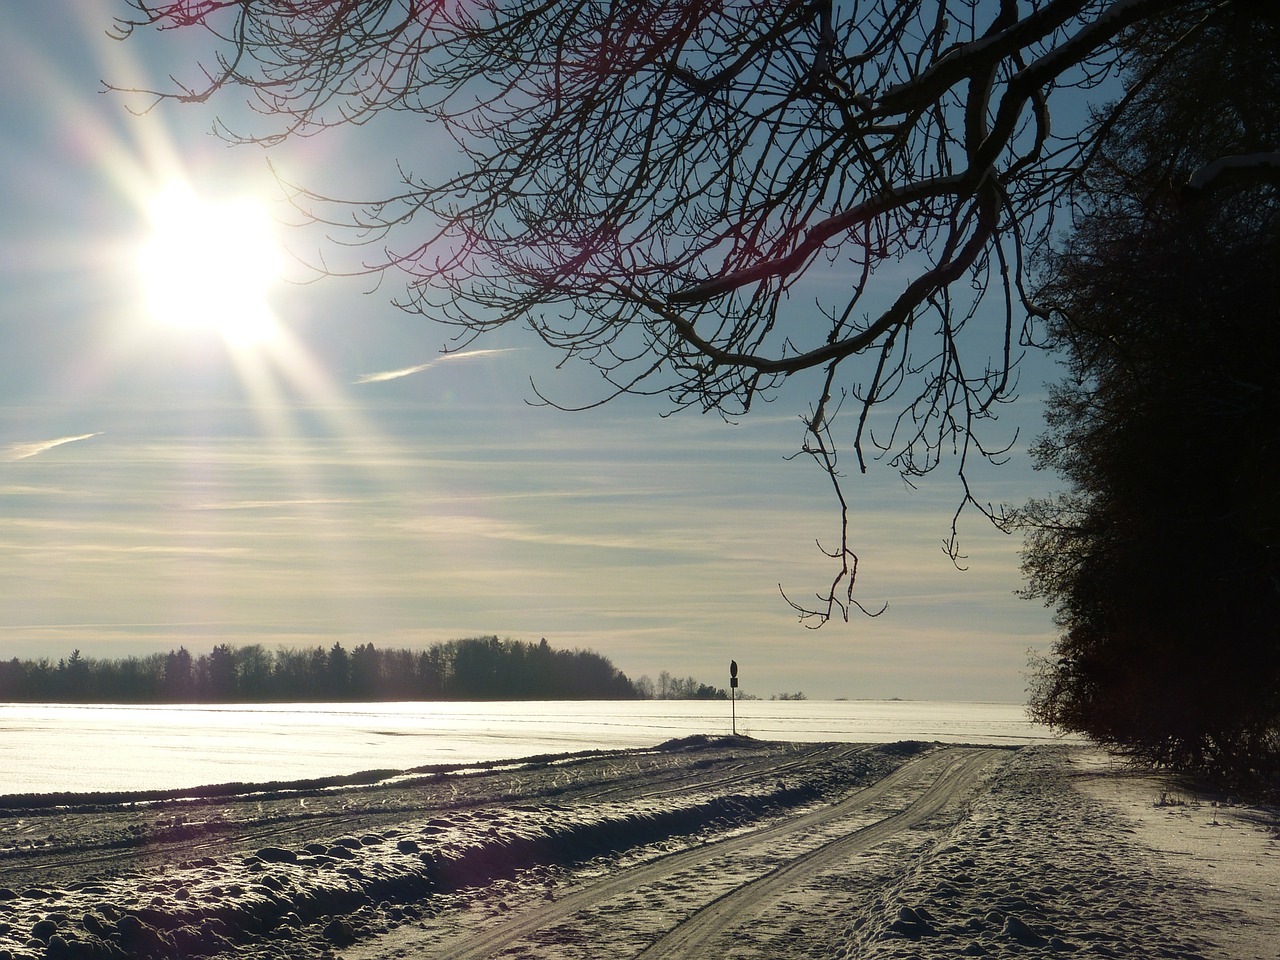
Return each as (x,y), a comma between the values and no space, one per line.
(21,451)
(419,368)
(272,504)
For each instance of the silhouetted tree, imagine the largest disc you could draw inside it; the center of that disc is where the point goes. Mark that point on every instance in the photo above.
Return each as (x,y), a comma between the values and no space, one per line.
(13,679)
(474,668)
(675,688)
(431,673)
(298,674)
(366,673)
(179,679)
(338,673)
(317,673)
(129,680)
(218,670)
(398,676)
(1163,559)
(73,679)
(705,199)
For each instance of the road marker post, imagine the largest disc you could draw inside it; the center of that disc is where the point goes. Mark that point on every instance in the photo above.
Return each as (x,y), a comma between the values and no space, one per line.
(733,694)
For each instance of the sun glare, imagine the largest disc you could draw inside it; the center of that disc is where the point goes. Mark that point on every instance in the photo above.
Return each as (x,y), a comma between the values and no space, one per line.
(209,265)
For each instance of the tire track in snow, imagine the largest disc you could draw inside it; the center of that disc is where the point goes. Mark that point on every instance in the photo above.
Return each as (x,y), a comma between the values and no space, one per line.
(719,917)
(942,776)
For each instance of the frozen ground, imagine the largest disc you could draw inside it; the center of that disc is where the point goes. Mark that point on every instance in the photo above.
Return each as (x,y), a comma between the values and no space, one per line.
(725,848)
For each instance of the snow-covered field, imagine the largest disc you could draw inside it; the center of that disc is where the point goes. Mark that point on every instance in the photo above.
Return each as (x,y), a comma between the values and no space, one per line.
(721,847)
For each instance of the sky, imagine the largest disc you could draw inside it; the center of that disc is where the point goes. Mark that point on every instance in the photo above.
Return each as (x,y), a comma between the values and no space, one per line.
(165,484)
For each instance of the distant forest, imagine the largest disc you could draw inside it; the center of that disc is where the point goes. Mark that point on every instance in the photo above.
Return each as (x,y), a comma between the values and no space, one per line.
(480,668)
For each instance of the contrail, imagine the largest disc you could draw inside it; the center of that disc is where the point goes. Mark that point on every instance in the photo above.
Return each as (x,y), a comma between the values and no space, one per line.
(21,451)
(410,371)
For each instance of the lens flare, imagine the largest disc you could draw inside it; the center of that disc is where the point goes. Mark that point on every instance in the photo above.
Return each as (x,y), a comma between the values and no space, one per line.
(209,265)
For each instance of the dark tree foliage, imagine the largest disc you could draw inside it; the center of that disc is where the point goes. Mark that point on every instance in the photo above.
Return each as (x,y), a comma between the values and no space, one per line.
(706,198)
(1163,560)
(482,668)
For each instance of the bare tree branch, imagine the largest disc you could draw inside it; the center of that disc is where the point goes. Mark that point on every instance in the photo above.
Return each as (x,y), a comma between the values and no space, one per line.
(654,187)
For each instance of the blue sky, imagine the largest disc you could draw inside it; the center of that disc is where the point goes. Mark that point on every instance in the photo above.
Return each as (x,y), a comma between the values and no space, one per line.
(158,488)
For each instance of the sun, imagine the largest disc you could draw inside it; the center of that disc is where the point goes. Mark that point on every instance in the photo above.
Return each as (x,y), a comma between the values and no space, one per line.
(210,264)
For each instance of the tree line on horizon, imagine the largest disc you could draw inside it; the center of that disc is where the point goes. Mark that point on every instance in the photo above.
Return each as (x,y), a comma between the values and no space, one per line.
(477,668)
